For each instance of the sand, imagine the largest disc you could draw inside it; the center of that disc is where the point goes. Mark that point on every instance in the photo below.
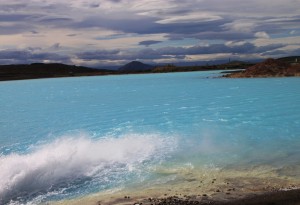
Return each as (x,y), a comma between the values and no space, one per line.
(260,185)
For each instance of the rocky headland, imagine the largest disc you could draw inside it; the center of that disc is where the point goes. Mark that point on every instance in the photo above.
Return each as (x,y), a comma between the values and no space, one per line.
(268,68)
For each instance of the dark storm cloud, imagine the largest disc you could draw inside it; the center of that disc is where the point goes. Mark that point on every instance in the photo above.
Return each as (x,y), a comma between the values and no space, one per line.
(294,52)
(12,7)
(215,21)
(225,35)
(206,30)
(171,52)
(37,55)
(55,20)
(94,5)
(148,25)
(99,54)
(115,1)
(247,48)
(264,49)
(149,42)
(13,17)
(14,23)
(276,25)
(252,8)
(15,29)
(28,56)
(59,15)
(35,15)
(128,24)
(119,55)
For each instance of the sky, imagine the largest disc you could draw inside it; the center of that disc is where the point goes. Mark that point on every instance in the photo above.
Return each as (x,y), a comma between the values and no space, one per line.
(99,33)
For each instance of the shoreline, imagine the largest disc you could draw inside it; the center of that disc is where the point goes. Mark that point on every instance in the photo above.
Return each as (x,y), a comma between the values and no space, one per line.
(219,187)
(95,75)
(275,197)
(40,71)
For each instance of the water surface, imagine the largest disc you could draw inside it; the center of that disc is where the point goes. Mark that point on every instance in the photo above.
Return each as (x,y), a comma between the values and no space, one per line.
(68,137)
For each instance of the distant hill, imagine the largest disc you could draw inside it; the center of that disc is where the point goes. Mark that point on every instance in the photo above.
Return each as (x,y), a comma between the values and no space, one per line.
(287,66)
(290,59)
(41,70)
(234,65)
(136,66)
(269,68)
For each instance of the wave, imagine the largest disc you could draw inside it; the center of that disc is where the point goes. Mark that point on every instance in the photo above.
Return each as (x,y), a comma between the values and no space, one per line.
(75,160)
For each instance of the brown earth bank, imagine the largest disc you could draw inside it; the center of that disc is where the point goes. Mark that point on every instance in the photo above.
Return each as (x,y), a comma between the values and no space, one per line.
(268,68)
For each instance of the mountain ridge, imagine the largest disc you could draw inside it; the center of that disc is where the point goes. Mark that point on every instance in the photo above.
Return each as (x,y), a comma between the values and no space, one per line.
(136,66)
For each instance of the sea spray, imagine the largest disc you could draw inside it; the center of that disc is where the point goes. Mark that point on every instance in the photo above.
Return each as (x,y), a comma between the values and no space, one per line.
(70,161)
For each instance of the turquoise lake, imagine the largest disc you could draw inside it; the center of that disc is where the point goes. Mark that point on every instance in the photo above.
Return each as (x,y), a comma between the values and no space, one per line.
(69,137)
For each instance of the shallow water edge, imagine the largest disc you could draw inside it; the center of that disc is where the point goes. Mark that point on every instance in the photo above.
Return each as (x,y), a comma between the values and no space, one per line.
(202,186)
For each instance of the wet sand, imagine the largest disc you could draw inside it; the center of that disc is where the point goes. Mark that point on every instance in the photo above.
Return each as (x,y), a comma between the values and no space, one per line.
(261,185)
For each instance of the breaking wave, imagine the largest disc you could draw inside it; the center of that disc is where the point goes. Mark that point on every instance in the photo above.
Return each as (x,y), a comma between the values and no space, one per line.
(74,161)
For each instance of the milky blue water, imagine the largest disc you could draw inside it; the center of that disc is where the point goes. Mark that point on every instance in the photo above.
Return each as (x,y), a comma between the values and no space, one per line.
(67,137)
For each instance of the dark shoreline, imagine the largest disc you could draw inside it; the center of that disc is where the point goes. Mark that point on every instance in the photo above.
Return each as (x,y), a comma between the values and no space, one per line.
(282,67)
(281,197)
(291,197)
(92,75)
(40,70)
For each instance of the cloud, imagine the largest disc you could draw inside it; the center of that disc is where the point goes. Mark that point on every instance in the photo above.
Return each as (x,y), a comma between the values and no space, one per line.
(282,52)
(29,56)
(113,56)
(55,20)
(115,1)
(12,7)
(127,23)
(118,30)
(214,35)
(14,17)
(174,52)
(72,34)
(55,46)
(99,55)
(191,17)
(8,29)
(149,42)
(94,5)
(261,35)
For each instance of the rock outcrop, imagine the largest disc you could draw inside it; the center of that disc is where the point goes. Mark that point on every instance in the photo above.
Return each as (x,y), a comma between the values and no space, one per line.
(268,68)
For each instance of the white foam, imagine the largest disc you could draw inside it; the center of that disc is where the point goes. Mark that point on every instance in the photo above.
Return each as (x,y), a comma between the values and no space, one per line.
(70,158)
